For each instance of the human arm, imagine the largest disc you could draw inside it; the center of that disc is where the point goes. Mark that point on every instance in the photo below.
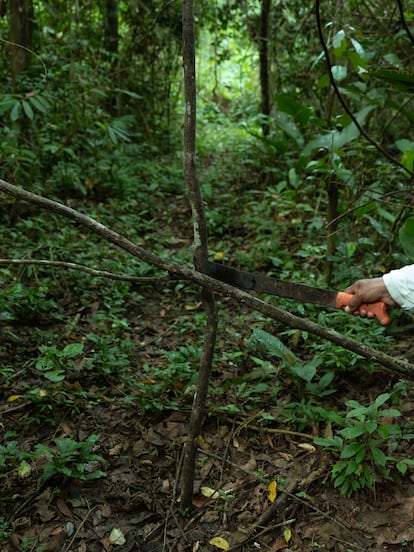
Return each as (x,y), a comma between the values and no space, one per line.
(396,287)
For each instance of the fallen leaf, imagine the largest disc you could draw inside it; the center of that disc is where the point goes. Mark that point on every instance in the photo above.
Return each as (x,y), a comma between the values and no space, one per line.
(13,398)
(209,493)
(192,306)
(307,446)
(117,537)
(287,535)
(272,491)
(63,507)
(221,543)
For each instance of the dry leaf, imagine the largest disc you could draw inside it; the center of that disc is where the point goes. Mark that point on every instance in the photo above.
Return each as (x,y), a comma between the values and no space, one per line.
(192,307)
(63,507)
(115,450)
(272,491)
(209,493)
(219,542)
(117,537)
(307,446)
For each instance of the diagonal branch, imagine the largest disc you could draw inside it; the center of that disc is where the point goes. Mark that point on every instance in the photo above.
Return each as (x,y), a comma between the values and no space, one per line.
(395,365)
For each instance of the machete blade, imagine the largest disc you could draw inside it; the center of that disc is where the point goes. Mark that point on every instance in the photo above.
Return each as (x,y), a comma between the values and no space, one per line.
(272,286)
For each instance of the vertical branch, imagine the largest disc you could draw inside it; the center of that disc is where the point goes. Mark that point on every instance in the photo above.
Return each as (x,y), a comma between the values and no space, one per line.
(200,253)
(264,63)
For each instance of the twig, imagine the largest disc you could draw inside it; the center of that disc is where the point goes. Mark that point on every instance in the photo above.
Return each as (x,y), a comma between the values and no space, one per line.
(83,268)
(82,523)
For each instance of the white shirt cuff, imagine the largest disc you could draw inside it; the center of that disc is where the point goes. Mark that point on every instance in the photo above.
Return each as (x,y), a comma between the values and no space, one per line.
(400,285)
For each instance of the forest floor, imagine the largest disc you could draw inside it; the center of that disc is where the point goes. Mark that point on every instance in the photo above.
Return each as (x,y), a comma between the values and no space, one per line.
(135,506)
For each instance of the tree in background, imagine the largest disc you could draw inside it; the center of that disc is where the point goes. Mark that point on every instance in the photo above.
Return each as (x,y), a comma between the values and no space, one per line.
(21,15)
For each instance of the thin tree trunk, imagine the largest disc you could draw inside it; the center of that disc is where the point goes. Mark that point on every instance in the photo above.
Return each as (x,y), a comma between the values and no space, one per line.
(264,64)
(111,36)
(200,253)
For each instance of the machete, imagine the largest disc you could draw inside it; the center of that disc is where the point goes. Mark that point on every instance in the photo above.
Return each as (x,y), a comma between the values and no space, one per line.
(290,290)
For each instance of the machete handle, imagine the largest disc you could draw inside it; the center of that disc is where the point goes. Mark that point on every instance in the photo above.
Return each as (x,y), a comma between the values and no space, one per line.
(378,309)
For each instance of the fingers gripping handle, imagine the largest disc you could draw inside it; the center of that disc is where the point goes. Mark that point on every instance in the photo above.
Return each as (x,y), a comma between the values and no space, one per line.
(378,309)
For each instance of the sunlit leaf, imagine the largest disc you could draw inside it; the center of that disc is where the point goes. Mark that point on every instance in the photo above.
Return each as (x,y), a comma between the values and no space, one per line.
(117,537)
(24,469)
(219,542)
(307,446)
(272,491)
(192,306)
(287,535)
(13,398)
(209,493)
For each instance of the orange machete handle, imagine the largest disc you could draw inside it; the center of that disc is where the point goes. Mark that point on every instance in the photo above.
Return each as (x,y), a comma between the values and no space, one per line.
(378,309)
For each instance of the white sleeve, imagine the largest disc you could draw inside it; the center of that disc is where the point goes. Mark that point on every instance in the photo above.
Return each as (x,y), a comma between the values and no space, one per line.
(400,285)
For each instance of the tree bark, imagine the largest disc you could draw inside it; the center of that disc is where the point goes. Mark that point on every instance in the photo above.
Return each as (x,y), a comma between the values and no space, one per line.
(264,64)
(111,32)
(21,16)
(200,253)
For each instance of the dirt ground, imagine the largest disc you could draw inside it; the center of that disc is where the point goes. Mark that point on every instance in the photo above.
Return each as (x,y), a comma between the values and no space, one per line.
(136,506)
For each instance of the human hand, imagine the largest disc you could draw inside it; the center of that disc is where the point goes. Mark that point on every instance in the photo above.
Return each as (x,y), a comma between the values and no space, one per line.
(367,291)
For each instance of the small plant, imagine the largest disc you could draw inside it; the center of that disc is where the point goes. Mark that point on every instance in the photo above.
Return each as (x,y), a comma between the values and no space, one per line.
(54,362)
(71,458)
(362,445)
(11,455)
(4,530)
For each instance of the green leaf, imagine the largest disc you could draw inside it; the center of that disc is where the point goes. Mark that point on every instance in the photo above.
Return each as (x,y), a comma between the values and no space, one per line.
(39,103)
(381,399)
(275,347)
(304,371)
(352,449)
(352,432)
(335,140)
(378,456)
(332,442)
(298,111)
(55,375)
(72,350)
(27,108)
(339,72)
(399,78)
(339,43)
(15,112)
(406,236)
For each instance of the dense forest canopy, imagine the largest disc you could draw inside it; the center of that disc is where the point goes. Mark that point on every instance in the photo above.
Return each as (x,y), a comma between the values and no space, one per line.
(304,153)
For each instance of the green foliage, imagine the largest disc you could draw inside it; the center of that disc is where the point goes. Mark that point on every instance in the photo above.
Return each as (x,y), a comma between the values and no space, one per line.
(362,446)
(54,362)
(406,235)
(275,347)
(71,458)
(4,530)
